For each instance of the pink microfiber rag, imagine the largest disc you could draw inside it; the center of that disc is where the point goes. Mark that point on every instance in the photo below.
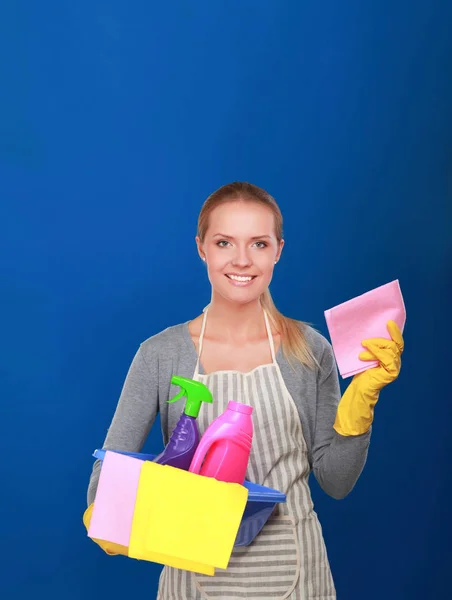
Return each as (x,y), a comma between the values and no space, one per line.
(362,318)
(114,504)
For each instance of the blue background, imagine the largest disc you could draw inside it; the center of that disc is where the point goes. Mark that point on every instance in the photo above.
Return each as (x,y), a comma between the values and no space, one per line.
(116,121)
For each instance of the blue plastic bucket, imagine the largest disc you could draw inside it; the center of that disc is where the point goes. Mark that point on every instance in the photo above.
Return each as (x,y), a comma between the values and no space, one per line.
(261,502)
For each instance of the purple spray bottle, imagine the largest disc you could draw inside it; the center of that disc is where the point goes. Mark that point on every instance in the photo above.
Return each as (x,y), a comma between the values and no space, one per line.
(185,438)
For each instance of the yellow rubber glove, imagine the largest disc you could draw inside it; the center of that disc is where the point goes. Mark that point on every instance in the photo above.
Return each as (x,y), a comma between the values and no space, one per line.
(355,412)
(108,547)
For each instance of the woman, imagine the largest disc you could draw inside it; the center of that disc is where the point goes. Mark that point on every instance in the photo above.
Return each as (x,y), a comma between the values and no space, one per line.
(243,349)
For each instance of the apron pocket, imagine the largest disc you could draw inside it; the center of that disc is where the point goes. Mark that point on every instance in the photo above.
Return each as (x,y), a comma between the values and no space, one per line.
(268,568)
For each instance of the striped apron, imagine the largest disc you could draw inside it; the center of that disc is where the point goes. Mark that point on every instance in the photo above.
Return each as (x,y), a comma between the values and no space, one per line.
(287,559)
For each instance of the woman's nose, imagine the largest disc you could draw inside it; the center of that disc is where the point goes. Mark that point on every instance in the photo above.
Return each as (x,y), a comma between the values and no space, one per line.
(241,258)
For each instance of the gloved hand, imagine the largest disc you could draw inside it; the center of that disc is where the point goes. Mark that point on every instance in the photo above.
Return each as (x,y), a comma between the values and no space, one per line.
(355,412)
(108,547)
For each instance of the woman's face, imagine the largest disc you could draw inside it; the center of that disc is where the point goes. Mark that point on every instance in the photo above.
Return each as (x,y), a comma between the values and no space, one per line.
(240,249)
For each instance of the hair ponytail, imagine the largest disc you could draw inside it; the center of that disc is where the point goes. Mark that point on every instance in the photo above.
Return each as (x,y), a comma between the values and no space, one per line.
(293,340)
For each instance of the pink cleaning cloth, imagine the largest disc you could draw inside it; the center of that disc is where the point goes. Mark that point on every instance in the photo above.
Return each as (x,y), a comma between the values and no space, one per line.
(114,504)
(362,318)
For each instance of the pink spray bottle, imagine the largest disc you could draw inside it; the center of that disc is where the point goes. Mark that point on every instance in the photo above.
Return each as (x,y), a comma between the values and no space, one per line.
(224,450)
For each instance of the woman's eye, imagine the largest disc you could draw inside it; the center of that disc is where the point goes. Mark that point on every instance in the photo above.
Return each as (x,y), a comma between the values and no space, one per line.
(224,243)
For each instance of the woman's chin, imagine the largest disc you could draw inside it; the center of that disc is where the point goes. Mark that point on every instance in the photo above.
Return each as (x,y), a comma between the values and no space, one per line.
(240,295)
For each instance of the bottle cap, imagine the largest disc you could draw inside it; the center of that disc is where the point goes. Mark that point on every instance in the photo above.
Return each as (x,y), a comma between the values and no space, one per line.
(239,407)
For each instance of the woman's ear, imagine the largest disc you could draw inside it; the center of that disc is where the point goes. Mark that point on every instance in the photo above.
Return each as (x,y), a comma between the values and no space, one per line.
(278,255)
(200,249)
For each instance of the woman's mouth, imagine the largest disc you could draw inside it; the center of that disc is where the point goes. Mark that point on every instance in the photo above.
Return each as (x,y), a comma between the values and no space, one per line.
(240,280)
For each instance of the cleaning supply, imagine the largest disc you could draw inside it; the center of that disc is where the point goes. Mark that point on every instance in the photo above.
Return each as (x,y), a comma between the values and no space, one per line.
(185,521)
(112,514)
(361,318)
(225,447)
(185,438)
(355,412)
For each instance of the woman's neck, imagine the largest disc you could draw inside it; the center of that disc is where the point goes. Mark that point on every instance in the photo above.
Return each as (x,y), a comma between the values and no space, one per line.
(236,322)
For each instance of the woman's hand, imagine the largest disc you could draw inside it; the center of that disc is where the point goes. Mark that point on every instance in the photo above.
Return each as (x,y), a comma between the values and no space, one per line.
(389,355)
(355,412)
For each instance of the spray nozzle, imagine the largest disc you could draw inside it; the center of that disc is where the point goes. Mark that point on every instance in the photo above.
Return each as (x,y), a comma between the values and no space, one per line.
(195,392)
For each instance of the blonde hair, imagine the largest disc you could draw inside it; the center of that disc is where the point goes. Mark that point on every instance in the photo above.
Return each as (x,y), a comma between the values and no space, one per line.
(292,331)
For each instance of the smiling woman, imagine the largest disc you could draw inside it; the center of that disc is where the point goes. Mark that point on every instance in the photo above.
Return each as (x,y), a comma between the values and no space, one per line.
(240,237)
(242,348)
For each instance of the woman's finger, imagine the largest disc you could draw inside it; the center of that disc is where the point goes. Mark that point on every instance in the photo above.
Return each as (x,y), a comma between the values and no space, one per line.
(396,335)
(389,358)
(382,343)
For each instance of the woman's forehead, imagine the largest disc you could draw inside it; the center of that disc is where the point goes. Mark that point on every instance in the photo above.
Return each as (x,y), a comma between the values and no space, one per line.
(245,217)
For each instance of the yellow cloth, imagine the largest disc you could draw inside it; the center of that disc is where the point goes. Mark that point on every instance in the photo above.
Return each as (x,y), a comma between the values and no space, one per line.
(108,547)
(185,520)
(355,412)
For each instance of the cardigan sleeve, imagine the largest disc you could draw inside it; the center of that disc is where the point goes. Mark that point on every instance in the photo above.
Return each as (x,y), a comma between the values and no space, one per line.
(337,460)
(135,412)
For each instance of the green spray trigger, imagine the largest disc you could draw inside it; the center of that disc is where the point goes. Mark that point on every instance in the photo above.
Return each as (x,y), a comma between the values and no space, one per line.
(195,392)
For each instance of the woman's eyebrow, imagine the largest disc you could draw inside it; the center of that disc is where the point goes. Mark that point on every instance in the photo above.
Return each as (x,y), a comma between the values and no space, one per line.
(255,237)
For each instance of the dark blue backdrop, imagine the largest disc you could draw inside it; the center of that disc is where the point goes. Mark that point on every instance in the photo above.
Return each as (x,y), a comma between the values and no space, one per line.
(116,121)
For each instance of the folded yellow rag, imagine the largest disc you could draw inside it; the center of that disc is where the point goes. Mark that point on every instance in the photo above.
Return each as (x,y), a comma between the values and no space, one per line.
(185,520)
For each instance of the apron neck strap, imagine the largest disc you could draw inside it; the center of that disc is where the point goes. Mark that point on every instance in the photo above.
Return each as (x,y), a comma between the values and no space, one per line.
(201,339)
(270,337)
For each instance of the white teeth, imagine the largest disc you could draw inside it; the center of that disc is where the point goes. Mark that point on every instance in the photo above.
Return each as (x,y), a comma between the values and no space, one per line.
(238,278)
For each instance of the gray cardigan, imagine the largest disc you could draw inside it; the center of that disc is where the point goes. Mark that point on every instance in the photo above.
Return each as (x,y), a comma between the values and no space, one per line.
(336,461)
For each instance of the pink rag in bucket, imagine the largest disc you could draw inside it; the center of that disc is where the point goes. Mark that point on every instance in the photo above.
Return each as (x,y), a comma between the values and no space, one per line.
(116,493)
(360,319)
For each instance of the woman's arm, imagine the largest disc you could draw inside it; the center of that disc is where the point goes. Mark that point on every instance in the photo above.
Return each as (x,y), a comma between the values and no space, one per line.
(343,424)
(337,460)
(135,413)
